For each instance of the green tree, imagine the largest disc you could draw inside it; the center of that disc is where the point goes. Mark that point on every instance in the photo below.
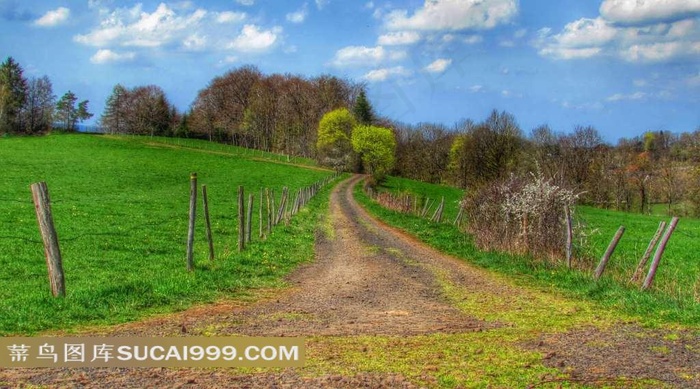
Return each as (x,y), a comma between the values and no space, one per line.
(68,114)
(376,147)
(113,119)
(363,109)
(13,95)
(333,144)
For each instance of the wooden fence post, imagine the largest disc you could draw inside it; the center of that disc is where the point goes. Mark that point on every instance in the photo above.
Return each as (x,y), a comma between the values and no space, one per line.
(241,219)
(249,219)
(260,213)
(608,253)
(659,253)
(207,220)
(269,212)
(52,251)
(569,235)
(647,254)
(190,231)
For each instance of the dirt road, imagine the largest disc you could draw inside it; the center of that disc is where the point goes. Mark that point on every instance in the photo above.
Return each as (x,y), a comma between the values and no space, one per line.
(371,281)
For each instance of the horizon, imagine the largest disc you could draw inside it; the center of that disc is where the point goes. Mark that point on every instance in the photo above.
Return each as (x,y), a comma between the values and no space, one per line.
(622,68)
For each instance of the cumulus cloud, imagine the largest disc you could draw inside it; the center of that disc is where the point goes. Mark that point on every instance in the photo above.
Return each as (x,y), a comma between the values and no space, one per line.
(621,96)
(230,17)
(656,42)
(384,74)
(106,56)
(633,12)
(53,18)
(437,15)
(632,30)
(178,26)
(439,65)
(298,16)
(253,39)
(365,56)
(399,38)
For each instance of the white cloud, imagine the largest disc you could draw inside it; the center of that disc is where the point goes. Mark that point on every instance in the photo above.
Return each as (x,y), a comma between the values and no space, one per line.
(133,27)
(587,38)
(476,88)
(230,17)
(454,15)
(320,4)
(178,26)
(105,56)
(253,39)
(520,33)
(247,3)
(53,18)
(439,65)
(384,74)
(621,97)
(399,38)
(473,39)
(365,56)
(298,16)
(644,11)
(195,42)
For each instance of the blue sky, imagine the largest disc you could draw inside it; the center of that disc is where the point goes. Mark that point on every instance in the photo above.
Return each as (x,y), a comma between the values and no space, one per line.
(622,66)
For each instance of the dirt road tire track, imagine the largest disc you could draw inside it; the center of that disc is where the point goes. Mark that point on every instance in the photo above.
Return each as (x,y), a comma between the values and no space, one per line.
(367,279)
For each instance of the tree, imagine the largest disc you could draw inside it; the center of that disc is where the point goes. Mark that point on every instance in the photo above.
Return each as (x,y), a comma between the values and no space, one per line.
(13,95)
(333,145)
(363,110)
(113,119)
(376,147)
(39,107)
(68,114)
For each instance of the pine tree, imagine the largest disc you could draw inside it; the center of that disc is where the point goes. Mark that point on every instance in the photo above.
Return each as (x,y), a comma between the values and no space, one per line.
(114,119)
(68,115)
(363,109)
(13,95)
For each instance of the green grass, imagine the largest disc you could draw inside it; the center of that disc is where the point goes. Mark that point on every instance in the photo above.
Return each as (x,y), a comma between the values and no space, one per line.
(120,208)
(427,191)
(673,299)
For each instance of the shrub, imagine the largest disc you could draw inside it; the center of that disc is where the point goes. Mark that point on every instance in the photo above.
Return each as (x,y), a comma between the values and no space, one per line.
(520,215)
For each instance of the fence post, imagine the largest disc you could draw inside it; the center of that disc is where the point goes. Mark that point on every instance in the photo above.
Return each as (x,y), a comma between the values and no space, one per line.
(647,253)
(569,235)
(207,221)
(260,213)
(241,219)
(52,251)
(608,253)
(190,231)
(249,219)
(659,253)
(269,211)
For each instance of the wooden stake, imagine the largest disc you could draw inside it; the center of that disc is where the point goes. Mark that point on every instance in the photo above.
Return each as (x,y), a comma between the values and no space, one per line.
(260,213)
(569,235)
(241,219)
(52,251)
(249,219)
(207,221)
(608,253)
(190,231)
(647,254)
(659,253)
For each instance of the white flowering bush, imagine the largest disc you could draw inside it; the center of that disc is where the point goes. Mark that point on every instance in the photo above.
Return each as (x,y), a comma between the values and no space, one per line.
(521,215)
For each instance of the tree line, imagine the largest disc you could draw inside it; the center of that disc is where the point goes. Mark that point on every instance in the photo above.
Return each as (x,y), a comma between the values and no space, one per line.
(29,106)
(656,167)
(284,113)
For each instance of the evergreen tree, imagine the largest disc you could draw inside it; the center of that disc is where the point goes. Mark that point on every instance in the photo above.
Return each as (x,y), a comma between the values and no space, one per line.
(113,120)
(68,114)
(13,95)
(363,109)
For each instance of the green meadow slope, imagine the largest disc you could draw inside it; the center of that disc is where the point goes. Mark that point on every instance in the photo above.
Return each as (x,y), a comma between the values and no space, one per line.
(121,208)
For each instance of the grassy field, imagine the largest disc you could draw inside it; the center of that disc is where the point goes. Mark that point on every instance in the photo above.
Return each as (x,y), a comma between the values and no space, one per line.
(674,298)
(121,207)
